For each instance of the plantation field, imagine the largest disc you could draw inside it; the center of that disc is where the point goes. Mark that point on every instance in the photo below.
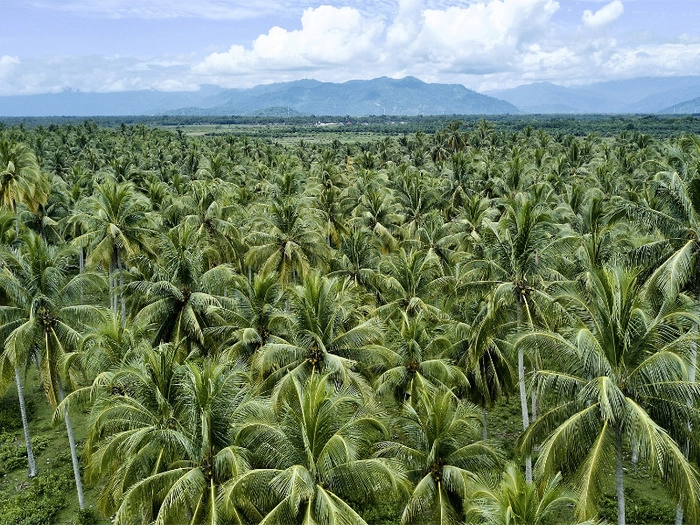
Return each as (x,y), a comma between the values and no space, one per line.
(425,321)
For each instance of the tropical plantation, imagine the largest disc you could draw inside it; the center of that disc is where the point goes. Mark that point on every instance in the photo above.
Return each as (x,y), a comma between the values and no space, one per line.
(472,326)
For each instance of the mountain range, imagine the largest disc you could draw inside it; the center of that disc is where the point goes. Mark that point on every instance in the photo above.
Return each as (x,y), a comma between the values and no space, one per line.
(638,95)
(406,96)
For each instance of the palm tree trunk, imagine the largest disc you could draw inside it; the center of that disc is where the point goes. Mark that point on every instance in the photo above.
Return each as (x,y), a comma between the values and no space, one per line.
(691,379)
(73,451)
(33,471)
(111,286)
(619,482)
(523,395)
(484,429)
(121,286)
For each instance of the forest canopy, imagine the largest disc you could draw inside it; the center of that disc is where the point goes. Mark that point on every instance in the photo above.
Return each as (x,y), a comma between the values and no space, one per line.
(453,321)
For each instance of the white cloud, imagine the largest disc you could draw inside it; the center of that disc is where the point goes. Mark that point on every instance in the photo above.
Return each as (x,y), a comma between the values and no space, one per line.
(603,16)
(91,74)
(329,37)
(342,43)
(7,66)
(479,43)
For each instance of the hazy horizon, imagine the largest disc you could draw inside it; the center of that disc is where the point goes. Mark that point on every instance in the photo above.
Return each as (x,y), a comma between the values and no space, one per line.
(121,45)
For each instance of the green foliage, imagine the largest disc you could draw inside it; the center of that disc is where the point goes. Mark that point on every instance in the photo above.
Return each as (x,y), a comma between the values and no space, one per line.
(640,510)
(37,504)
(288,323)
(87,517)
(10,415)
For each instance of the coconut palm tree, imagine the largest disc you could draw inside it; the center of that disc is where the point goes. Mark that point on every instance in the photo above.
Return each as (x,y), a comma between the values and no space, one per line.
(327,335)
(116,225)
(49,308)
(514,501)
(408,284)
(621,381)
(440,447)
(311,453)
(286,241)
(159,437)
(176,300)
(251,317)
(519,258)
(21,179)
(420,359)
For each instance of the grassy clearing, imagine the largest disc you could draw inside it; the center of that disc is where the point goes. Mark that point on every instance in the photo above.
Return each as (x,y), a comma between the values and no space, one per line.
(50,498)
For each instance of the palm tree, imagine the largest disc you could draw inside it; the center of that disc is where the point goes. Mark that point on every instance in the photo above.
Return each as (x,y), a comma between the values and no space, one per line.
(177,300)
(327,335)
(251,317)
(420,359)
(311,452)
(514,501)
(116,224)
(622,379)
(48,310)
(408,283)
(442,452)
(5,366)
(519,254)
(21,179)
(159,435)
(286,242)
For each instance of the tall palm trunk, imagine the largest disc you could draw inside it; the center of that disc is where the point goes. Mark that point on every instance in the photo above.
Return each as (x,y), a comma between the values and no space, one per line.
(121,286)
(33,471)
(523,393)
(619,480)
(112,303)
(691,379)
(73,451)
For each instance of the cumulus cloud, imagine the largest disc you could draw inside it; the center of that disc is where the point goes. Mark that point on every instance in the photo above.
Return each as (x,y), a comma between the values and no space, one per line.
(603,16)
(7,65)
(342,43)
(329,37)
(483,44)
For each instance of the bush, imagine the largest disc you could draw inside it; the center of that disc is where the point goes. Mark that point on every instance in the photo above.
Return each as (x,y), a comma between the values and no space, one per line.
(10,414)
(638,509)
(87,517)
(38,504)
(13,455)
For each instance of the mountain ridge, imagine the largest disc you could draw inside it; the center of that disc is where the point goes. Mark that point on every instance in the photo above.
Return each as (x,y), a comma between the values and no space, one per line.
(406,96)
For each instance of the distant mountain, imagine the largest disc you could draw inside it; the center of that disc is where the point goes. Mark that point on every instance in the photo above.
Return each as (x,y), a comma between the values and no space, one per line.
(689,106)
(638,95)
(76,103)
(408,96)
(545,97)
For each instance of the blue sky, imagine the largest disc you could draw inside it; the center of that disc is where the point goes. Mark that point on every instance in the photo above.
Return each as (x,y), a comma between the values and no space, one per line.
(113,45)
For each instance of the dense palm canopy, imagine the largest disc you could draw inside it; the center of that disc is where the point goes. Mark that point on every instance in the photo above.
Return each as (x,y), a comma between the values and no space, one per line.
(294,331)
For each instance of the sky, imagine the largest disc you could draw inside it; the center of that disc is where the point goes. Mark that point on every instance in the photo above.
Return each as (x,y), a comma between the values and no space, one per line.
(49,46)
